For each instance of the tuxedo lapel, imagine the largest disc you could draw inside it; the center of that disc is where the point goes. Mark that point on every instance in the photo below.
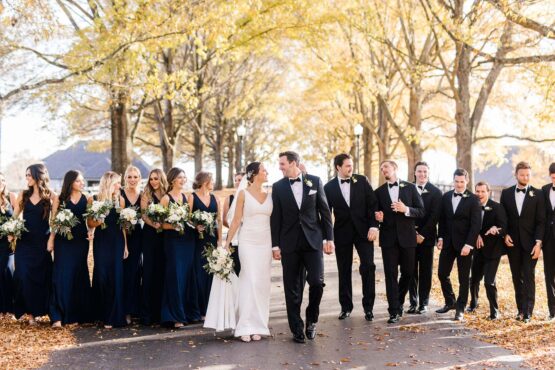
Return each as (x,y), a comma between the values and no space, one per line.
(527,200)
(351,192)
(289,191)
(449,199)
(512,201)
(339,193)
(306,190)
(464,197)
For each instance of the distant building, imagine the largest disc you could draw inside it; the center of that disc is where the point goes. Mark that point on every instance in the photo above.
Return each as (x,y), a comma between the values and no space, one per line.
(92,164)
(499,177)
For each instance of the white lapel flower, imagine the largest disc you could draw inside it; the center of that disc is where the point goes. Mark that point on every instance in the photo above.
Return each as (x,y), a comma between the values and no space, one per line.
(402,184)
(465,195)
(354,179)
(487,208)
(425,191)
(307,182)
(531,193)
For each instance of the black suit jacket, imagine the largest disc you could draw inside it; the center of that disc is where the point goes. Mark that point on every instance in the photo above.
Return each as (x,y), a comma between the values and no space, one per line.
(314,216)
(427,225)
(549,213)
(494,215)
(396,226)
(353,221)
(463,226)
(530,225)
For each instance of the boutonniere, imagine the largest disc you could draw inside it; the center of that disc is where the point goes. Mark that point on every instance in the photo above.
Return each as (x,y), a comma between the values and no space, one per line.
(307,182)
(402,185)
(531,193)
(425,191)
(354,180)
(487,208)
(465,195)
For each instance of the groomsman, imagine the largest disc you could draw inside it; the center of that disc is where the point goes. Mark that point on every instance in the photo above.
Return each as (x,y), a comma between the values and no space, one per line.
(549,242)
(353,203)
(525,208)
(426,237)
(399,204)
(459,226)
(489,249)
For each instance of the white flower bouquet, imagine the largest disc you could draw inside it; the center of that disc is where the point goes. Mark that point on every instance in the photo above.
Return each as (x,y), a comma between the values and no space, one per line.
(178,216)
(14,228)
(98,211)
(219,261)
(64,221)
(157,213)
(203,218)
(128,218)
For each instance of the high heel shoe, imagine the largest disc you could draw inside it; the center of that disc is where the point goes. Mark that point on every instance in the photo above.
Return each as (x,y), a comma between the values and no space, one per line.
(246,338)
(256,337)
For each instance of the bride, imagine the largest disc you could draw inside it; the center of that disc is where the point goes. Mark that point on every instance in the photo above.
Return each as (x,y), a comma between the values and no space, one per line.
(251,214)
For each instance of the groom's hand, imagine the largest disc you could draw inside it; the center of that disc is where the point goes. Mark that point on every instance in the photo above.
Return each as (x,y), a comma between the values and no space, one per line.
(276,254)
(329,247)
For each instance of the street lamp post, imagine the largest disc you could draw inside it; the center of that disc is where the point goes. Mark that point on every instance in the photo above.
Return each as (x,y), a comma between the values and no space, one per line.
(241,131)
(358,132)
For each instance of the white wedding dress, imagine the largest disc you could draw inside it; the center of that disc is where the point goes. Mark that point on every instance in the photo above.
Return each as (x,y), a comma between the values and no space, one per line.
(255,254)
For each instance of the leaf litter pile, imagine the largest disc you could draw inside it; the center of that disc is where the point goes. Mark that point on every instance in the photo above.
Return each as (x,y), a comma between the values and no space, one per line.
(533,341)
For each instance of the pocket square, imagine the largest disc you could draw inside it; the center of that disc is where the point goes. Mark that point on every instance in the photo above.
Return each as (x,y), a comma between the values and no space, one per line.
(312,192)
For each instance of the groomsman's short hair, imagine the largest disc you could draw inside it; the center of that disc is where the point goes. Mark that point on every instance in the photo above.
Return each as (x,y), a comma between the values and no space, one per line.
(461,172)
(339,159)
(291,156)
(552,168)
(391,162)
(482,183)
(421,163)
(522,166)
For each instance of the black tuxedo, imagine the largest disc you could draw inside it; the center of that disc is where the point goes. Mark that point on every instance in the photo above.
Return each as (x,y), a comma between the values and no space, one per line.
(299,233)
(548,249)
(398,241)
(457,229)
(524,230)
(486,259)
(421,283)
(351,225)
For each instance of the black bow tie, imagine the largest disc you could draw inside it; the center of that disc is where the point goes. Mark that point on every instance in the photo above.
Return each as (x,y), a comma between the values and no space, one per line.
(292,181)
(521,190)
(392,185)
(457,194)
(420,187)
(483,208)
(553,188)
(348,181)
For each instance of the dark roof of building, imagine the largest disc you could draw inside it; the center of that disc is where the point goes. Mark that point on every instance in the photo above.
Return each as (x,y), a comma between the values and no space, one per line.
(92,164)
(499,176)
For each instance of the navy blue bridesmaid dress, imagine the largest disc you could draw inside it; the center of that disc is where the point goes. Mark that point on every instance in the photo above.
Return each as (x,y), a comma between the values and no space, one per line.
(132,265)
(33,264)
(203,280)
(153,273)
(6,279)
(179,253)
(107,284)
(71,285)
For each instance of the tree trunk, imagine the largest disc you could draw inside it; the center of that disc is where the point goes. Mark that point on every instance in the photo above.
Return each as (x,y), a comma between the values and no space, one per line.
(462,115)
(218,147)
(199,144)
(367,146)
(414,149)
(119,122)
(230,164)
(383,133)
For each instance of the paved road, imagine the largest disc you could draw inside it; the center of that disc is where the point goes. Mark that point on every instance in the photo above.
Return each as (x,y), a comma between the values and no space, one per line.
(417,342)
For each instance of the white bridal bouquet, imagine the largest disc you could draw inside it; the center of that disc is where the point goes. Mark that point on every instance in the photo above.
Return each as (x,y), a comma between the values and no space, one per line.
(157,213)
(98,211)
(203,218)
(178,216)
(128,218)
(219,261)
(14,228)
(64,221)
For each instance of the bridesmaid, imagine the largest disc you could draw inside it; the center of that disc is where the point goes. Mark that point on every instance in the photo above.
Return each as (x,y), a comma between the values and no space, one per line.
(153,250)
(6,279)
(203,199)
(71,285)
(109,251)
(179,252)
(132,265)
(33,273)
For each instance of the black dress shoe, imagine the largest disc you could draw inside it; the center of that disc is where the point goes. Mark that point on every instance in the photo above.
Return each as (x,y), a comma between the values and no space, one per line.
(471,309)
(526,319)
(394,319)
(446,309)
(493,316)
(412,309)
(459,316)
(369,316)
(422,309)
(310,330)
(344,314)
(299,338)
(519,317)
(551,318)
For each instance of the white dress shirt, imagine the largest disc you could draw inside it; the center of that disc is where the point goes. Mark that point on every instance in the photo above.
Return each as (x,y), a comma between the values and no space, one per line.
(519,198)
(552,197)
(345,190)
(456,200)
(297,188)
(393,191)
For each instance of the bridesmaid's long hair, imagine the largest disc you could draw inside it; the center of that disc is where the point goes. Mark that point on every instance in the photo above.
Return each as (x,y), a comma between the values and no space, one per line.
(172,175)
(106,189)
(201,178)
(39,173)
(149,191)
(67,184)
(4,195)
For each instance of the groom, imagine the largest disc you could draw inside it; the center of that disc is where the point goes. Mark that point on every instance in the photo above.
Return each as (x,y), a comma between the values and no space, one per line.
(301,229)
